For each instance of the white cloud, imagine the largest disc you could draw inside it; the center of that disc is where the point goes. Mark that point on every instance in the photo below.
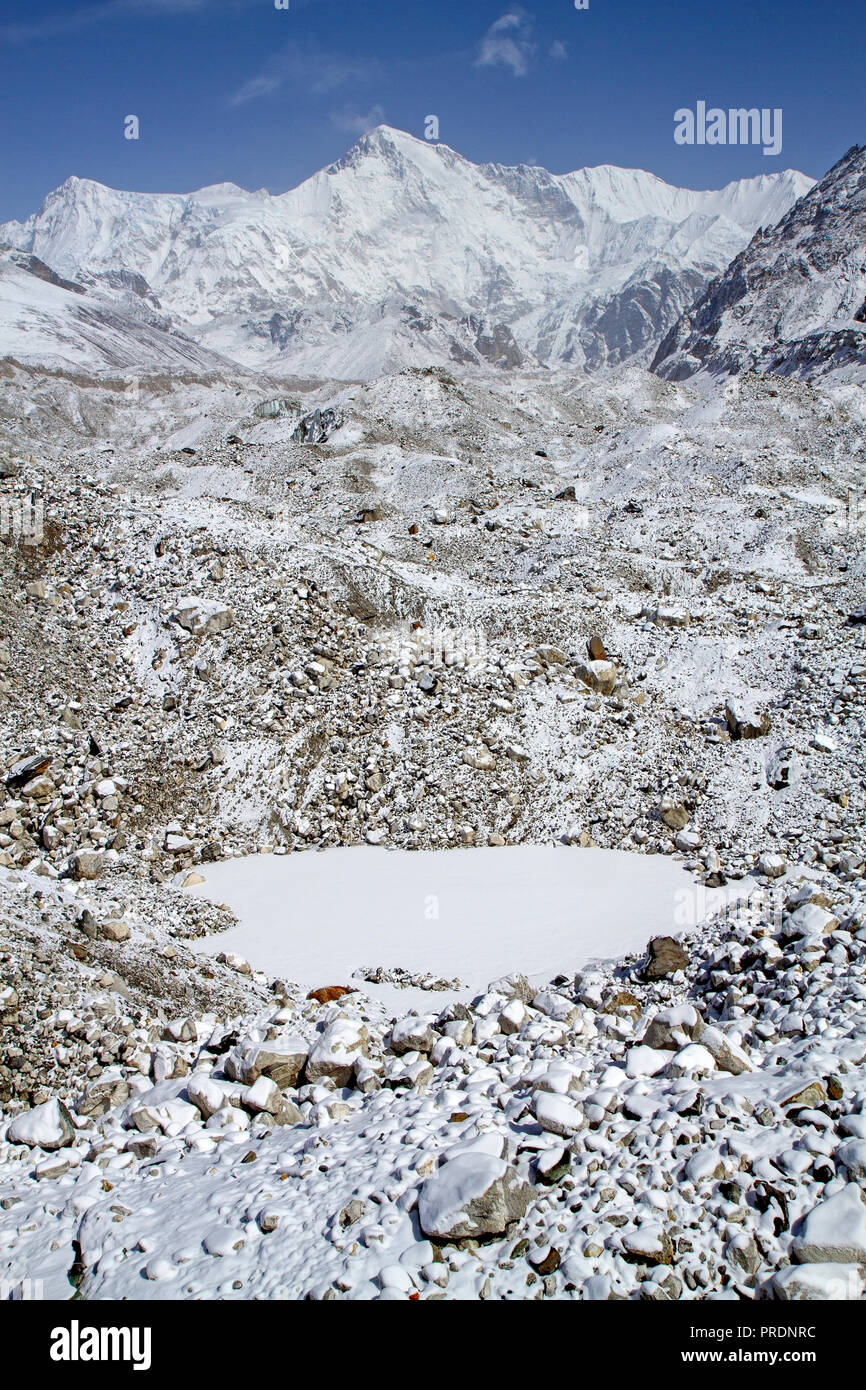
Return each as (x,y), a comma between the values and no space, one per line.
(558,50)
(306,66)
(55,23)
(356,122)
(58,22)
(508,43)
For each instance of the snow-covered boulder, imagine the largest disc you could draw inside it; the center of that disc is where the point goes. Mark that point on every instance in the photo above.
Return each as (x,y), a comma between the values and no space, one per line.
(412,1034)
(474,1194)
(746,718)
(335,1052)
(281,1060)
(674,1028)
(600,676)
(831,1282)
(202,616)
(556,1114)
(47,1126)
(726,1053)
(209,1095)
(809,920)
(834,1231)
(852,1156)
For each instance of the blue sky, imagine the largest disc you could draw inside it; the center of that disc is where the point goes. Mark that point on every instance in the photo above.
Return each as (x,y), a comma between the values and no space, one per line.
(239,90)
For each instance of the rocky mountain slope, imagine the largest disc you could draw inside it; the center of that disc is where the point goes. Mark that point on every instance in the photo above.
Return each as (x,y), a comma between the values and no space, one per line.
(794,301)
(405,253)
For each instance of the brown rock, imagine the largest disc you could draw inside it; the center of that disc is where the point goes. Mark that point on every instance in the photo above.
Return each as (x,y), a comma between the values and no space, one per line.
(648,1247)
(666,957)
(601,676)
(745,720)
(811,1096)
(328,993)
(550,1263)
(674,814)
(623,999)
(86,863)
(114,929)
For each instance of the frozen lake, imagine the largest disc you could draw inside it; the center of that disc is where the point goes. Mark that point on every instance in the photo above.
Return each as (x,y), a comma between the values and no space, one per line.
(474,914)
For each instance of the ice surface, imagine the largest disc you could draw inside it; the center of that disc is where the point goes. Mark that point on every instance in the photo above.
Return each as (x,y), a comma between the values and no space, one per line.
(477,914)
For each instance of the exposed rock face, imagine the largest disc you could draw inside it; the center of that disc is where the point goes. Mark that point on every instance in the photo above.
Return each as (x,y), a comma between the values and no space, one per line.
(794,302)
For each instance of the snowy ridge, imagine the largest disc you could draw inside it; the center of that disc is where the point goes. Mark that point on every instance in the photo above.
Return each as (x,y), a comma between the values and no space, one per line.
(405,253)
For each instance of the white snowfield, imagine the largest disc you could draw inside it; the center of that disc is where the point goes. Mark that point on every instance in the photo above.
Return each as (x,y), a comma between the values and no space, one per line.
(473,914)
(379,260)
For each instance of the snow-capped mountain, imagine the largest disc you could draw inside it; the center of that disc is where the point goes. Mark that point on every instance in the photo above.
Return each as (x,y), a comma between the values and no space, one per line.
(111,323)
(405,253)
(794,301)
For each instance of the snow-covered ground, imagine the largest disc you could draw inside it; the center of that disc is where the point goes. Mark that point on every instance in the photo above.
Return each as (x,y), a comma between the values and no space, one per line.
(472,915)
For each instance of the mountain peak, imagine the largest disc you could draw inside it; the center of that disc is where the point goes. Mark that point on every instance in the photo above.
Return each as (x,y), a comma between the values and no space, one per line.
(385,141)
(404,252)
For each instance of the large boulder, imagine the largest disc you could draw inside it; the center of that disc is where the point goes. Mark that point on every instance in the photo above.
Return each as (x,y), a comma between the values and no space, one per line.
(281,1061)
(412,1034)
(47,1126)
(335,1052)
(834,1231)
(745,718)
(209,1094)
(673,813)
(557,1115)
(513,986)
(472,1195)
(809,920)
(601,676)
(814,1283)
(649,1244)
(852,1156)
(725,1052)
(671,1029)
(103,1094)
(86,863)
(203,616)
